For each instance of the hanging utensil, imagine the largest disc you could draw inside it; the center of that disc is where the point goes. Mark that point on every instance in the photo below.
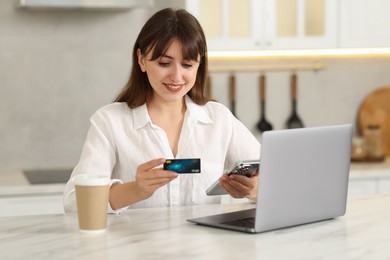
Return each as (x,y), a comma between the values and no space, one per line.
(263,125)
(294,120)
(232,92)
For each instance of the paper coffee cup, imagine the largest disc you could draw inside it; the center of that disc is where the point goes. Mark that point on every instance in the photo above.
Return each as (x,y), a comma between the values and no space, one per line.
(92,193)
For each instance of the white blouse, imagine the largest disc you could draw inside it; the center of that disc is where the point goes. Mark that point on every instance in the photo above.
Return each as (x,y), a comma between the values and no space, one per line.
(120,139)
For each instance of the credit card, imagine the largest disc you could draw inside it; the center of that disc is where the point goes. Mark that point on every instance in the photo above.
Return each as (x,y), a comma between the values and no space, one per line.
(190,165)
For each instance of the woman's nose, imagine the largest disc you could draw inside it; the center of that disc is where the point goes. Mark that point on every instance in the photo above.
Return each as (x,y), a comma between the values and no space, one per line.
(176,74)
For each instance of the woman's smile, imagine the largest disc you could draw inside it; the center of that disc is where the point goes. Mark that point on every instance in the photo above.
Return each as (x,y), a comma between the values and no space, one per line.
(174,87)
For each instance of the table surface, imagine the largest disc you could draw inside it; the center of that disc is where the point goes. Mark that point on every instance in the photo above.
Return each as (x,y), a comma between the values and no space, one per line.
(164,233)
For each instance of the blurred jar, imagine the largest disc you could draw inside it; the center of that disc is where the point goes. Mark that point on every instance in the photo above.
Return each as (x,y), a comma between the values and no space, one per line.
(373,136)
(359,149)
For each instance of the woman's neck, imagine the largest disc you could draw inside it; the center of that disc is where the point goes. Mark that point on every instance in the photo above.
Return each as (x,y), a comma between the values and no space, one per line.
(170,118)
(167,109)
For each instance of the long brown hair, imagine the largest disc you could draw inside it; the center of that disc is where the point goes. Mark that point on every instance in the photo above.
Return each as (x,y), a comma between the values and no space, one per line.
(157,34)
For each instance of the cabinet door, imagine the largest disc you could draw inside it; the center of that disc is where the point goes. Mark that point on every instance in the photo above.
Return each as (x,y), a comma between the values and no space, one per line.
(362,187)
(301,24)
(384,186)
(364,23)
(228,24)
(34,205)
(267,24)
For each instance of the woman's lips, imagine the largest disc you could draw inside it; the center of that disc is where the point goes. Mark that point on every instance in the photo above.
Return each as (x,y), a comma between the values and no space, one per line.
(174,87)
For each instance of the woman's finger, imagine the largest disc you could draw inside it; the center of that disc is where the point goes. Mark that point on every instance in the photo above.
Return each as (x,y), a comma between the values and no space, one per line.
(151,164)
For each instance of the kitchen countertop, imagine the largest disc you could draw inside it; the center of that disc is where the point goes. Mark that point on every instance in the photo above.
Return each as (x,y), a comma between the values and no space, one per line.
(164,233)
(362,170)
(15,183)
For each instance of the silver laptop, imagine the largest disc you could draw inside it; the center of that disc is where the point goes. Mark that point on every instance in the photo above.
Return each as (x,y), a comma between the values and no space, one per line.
(303,178)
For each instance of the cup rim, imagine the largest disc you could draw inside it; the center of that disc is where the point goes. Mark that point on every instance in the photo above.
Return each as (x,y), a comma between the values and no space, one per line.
(91,180)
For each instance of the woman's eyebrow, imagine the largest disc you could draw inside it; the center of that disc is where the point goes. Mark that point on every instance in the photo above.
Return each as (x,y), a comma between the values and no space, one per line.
(172,58)
(167,56)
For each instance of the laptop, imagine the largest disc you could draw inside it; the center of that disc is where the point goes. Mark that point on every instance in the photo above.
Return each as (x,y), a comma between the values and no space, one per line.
(303,179)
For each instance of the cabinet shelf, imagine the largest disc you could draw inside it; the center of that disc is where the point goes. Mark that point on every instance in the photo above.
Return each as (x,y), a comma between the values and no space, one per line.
(314,66)
(80,4)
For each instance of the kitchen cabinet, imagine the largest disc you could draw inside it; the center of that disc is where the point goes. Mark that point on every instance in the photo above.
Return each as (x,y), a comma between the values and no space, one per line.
(267,24)
(31,205)
(18,197)
(364,23)
(369,178)
(362,187)
(369,186)
(384,186)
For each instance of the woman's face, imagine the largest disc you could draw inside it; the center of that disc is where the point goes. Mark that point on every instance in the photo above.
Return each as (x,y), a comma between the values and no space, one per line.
(170,76)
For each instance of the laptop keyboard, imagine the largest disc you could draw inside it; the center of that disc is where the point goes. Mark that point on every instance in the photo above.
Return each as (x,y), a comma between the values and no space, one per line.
(245,222)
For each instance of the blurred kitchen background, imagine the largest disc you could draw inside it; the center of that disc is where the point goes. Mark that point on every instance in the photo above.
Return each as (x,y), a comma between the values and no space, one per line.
(58,65)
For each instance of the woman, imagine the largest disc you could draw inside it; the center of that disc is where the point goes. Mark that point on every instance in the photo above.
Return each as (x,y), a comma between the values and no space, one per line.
(162,114)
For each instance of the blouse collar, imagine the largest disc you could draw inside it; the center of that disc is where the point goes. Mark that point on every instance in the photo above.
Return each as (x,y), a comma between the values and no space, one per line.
(195,112)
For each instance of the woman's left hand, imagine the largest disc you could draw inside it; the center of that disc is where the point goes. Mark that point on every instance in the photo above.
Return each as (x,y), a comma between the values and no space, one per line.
(239,186)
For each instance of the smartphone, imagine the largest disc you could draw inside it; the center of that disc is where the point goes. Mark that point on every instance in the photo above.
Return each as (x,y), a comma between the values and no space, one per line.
(189,165)
(247,168)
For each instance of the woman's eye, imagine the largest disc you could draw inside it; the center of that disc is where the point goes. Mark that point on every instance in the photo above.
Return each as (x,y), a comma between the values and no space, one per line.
(163,64)
(187,66)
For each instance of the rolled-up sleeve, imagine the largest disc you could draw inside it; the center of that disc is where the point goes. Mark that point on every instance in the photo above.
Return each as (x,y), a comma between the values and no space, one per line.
(97,158)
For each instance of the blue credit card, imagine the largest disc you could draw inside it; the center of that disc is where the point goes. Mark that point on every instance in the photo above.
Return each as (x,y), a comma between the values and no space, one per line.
(190,165)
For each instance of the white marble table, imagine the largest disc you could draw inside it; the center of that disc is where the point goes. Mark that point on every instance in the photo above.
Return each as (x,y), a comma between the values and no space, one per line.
(163,233)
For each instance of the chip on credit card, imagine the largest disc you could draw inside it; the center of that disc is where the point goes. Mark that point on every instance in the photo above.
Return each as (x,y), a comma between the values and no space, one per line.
(190,165)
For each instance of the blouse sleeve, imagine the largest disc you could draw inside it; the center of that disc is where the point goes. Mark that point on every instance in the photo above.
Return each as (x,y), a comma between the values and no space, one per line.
(243,144)
(98,157)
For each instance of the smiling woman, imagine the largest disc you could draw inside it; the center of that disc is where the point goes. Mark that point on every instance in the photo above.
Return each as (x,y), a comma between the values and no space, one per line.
(162,113)
(156,37)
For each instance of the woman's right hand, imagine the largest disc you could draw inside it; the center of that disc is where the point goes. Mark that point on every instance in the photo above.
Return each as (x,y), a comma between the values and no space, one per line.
(149,178)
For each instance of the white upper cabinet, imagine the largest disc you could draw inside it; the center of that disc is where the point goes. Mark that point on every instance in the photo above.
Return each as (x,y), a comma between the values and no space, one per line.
(267,24)
(364,23)
(301,24)
(228,24)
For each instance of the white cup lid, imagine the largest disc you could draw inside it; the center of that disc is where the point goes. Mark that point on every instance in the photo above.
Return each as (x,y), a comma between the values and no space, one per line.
(91,180)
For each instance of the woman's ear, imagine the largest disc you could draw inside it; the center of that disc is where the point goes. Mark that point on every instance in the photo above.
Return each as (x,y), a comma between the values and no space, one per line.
(141,60)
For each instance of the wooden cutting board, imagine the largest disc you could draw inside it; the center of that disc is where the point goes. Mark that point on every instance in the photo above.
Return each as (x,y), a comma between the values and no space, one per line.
(375,109)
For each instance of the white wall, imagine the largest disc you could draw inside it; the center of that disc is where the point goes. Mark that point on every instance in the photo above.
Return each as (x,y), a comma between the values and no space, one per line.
(329,96)
(58,67)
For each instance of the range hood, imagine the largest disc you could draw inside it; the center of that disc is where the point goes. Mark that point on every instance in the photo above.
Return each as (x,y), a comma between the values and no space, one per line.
(86,4)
